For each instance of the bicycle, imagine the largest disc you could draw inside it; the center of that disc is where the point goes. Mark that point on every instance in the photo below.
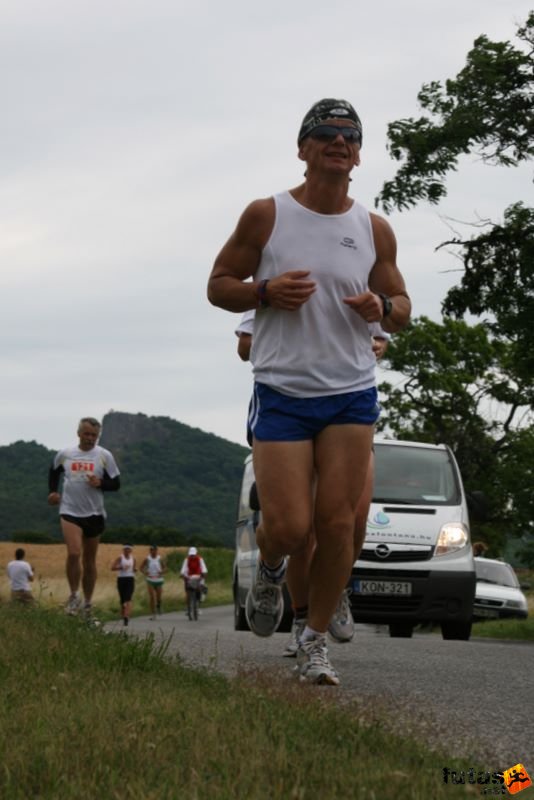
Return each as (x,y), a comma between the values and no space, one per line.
(193,588)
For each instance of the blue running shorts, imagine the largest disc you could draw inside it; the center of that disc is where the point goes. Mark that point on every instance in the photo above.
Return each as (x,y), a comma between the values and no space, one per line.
(276,417)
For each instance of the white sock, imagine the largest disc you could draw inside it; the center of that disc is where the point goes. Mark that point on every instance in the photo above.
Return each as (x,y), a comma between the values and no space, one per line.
(308,634)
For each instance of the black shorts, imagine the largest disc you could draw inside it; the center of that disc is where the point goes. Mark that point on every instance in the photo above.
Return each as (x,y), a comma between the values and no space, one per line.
(126,587)
(91,526)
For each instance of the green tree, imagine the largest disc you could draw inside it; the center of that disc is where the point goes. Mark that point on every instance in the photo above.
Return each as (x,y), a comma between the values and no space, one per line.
(486,110)
(498,282)
(472,386)
(451,375)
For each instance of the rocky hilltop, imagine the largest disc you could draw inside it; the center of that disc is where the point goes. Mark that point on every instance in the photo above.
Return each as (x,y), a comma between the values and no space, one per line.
(121,430)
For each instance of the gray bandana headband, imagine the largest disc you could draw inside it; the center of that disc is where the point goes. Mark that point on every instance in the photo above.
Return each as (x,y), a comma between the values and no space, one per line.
(328,109)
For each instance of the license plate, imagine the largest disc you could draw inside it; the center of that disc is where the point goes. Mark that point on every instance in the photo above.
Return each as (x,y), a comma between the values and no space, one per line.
(486,612)
(382,587)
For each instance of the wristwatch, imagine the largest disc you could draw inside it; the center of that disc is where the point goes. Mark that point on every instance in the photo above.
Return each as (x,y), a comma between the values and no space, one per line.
(262,294)
(387,305)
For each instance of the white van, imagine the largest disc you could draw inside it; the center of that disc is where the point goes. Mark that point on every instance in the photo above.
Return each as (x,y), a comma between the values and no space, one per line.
(416,565)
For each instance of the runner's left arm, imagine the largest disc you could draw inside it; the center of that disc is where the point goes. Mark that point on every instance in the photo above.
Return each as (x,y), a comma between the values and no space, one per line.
(54,476)
(108,484)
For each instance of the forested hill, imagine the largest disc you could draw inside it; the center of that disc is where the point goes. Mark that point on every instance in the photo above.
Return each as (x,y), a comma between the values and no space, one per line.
(176,480)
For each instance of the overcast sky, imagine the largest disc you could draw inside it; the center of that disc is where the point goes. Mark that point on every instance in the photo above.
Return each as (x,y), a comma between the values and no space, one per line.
(134,132)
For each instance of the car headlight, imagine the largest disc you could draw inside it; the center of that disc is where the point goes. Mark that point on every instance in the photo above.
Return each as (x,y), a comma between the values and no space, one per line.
(452,537)
(514,604)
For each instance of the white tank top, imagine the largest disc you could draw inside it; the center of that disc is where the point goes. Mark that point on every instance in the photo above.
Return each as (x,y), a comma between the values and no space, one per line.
(324,347)
(126,567)
(153,567)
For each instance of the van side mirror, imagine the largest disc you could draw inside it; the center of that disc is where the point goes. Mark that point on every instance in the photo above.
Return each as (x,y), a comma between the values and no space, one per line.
(253,499)
(478,505)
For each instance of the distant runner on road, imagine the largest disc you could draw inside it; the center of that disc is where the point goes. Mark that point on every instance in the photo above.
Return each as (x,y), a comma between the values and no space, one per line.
(126,567)
(153,568)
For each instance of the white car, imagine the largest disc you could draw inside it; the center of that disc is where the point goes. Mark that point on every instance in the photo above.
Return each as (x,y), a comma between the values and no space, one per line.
(498,591)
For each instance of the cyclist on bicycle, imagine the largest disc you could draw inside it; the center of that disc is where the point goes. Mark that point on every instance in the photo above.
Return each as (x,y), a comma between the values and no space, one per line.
(194,565)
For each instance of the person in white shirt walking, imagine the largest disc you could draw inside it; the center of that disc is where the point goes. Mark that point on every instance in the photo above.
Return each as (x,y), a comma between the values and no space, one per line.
(20,573)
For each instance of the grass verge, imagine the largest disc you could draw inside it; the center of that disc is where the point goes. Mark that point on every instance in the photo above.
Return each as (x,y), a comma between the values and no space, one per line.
(85,715)
(516,629)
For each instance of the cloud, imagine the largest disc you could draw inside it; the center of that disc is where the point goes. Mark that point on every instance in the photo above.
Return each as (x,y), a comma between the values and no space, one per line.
(137,132)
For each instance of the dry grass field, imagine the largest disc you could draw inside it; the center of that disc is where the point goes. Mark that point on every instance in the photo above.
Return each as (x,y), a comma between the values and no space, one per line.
(51,589)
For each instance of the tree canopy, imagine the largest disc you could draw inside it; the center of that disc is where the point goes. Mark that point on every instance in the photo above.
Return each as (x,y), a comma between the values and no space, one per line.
(473,385)
(452,373)
(487,109)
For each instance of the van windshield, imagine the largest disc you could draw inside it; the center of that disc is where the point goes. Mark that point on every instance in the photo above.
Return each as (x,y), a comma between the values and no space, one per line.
(415,476)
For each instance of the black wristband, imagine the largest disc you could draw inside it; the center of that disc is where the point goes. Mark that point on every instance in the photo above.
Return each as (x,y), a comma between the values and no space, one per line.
(262,292)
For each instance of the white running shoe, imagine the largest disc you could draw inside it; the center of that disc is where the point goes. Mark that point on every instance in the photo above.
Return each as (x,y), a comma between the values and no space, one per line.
(264,606)
(341,626)
(313,664)
(87,614)
(87,611)
(293,644)
(74,603)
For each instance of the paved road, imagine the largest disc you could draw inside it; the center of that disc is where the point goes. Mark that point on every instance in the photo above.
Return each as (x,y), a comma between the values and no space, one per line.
(476,699)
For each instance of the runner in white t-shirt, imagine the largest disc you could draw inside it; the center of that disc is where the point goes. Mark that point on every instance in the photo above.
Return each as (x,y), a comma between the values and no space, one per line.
(87,471)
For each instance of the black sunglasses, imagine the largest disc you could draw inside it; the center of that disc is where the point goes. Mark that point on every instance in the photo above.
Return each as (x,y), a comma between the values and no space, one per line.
(327,133)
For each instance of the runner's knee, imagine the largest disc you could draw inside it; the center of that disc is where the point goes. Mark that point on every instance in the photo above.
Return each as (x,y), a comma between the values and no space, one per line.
(283,534)
(335,528)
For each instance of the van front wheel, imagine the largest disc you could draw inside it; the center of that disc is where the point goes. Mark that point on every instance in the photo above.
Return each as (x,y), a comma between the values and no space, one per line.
(456,630)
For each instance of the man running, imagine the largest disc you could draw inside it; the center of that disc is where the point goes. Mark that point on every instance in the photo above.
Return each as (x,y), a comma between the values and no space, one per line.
(341,625)
(318,267)
(88,471)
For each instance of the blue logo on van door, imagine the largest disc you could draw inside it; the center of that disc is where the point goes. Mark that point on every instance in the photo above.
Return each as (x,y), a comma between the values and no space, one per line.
(380,520)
